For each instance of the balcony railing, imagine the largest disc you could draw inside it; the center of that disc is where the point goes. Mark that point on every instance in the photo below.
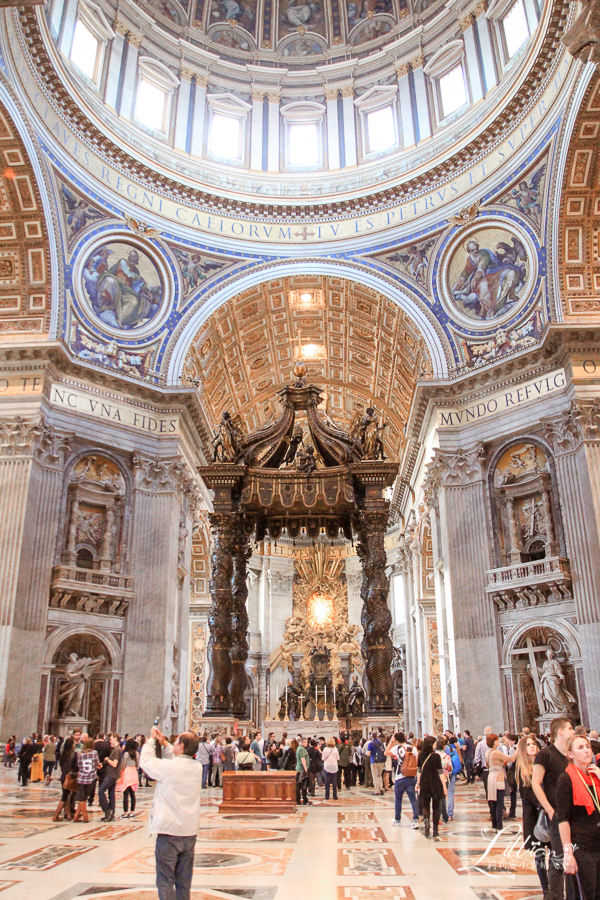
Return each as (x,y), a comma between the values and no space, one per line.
(89,590)
(530,584)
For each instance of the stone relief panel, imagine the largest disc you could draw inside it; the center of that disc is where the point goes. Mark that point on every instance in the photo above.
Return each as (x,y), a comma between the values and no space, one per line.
(93,560)
(504,341)
(24,249)
(523,492)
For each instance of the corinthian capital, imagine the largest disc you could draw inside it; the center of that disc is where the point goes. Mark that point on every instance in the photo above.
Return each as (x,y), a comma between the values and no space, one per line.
(564,432)
(588,416)
(156,475)
(32,437)
(448,469)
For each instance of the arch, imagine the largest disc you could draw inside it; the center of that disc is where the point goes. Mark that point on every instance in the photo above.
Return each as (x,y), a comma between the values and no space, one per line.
(563,627)
(61,634)
(437,343)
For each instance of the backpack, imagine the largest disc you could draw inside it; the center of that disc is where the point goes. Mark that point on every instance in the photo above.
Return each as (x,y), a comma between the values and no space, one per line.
(456,763)
(379,752)
(409,764)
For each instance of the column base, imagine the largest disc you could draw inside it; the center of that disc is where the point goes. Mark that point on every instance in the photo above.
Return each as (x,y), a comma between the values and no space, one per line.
(223,725)
(390,722)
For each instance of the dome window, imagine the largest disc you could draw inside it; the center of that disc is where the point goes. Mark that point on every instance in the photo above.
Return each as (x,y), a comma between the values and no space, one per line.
(515,28)
(303,136)
(453,91)
(378,112)
(514,23)
(448,77)
(154,94)
(90,36)
(228,117)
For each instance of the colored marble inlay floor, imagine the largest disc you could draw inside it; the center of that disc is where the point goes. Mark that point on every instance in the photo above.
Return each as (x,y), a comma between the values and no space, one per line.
(342,850)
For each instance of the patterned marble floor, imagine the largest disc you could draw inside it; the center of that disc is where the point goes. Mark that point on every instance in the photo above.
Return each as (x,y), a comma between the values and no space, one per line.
(344,850)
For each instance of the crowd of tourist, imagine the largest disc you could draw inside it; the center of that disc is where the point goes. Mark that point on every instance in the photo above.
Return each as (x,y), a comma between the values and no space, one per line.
(555,775)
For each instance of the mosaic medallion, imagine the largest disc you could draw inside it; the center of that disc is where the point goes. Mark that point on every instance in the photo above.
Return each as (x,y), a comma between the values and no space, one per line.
(488,273)
(122,283)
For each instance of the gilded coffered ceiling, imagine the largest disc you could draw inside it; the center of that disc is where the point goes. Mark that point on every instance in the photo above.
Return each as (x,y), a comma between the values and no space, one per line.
(359,346)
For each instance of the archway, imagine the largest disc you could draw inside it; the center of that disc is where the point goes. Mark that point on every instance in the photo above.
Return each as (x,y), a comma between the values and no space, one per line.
(91,702)
(359,275)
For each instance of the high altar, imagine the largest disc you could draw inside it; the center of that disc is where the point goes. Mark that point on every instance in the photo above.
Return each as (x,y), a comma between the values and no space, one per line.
(305,476)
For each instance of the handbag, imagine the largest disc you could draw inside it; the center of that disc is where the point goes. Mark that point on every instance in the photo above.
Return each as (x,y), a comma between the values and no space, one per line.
(542,827)
(70,783)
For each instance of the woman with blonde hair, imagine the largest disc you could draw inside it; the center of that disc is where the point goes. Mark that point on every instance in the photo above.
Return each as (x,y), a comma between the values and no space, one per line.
(527,750)
(578,811)
(331,759)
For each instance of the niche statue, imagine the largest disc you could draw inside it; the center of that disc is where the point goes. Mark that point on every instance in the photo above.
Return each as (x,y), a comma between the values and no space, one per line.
(78,672)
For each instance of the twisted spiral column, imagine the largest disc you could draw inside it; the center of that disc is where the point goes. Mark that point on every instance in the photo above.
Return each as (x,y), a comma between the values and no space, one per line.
(241,553)
(376,619)
(223,528)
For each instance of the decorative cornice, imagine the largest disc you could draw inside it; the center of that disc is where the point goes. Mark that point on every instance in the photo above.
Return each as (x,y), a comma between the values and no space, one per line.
(468,156)
(20,437)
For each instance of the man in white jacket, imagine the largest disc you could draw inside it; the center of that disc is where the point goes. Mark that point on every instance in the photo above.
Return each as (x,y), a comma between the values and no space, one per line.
(175,810)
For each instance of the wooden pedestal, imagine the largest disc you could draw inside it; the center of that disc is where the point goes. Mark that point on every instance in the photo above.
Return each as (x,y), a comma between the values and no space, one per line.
(259,792)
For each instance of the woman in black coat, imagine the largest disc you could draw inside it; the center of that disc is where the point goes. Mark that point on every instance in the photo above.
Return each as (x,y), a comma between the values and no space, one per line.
(431,784)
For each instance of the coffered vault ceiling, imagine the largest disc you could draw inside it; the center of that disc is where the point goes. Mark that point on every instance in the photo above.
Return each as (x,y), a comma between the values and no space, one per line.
(359,346)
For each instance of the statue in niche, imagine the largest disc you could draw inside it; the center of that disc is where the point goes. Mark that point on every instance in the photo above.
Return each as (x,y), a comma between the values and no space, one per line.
(175,693)
(78,673)
(356,699)
(228,439)
(557,699)
(366,432)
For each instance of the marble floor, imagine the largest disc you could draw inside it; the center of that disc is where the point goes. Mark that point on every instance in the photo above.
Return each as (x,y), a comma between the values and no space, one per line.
(344,850)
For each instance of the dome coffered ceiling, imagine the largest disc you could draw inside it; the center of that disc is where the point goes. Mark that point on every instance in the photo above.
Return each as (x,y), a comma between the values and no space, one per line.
(359,346)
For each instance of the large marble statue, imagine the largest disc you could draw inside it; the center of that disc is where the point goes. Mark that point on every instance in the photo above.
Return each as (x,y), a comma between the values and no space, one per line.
(78,672)
(356,699)
(556,698)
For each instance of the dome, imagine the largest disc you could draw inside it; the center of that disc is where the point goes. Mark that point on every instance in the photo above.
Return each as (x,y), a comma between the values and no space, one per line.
(333,106)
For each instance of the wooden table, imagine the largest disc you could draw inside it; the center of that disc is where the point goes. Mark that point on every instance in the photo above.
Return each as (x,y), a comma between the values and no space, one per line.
(264,792)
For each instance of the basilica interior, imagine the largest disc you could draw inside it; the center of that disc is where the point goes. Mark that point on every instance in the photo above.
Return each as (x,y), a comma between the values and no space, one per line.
(299,400)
